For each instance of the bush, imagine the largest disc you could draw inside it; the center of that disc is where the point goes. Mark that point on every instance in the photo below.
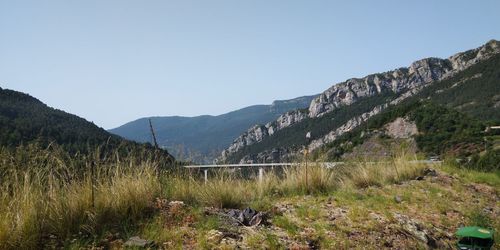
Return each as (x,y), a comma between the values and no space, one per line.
(490,161)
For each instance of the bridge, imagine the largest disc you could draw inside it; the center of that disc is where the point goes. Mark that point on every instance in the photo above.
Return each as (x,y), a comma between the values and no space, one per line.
(261,166)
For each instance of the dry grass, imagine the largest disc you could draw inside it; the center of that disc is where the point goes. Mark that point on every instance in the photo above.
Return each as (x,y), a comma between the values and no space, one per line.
(225,192)
(41,201)
(229,190)
(363,174)
(37,203)
(311,179)
(224,189)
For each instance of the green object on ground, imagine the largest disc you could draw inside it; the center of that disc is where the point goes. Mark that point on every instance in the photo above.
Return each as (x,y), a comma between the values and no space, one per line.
(476,232)
(474,238)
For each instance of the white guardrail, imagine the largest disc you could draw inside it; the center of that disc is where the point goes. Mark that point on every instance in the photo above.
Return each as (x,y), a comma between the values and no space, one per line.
(261,166)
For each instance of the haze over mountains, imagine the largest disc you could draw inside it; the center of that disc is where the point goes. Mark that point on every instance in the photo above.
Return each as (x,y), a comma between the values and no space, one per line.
(202,138)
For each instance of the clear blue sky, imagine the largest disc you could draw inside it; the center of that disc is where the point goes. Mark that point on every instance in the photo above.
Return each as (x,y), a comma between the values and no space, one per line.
(115,61)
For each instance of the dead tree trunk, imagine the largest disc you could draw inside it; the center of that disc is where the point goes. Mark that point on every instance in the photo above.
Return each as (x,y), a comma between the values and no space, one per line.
(153,134)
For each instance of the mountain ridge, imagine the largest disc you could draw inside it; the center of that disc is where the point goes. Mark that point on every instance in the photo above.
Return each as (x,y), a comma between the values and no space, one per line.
(402,83)
(25,120)
(202,138)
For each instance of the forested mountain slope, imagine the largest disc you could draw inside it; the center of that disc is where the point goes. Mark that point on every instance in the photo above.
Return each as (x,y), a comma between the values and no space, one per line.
(25,120)
(468,81)
(202,138)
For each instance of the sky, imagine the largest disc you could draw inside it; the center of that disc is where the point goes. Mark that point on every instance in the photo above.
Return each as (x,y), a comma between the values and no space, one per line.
(112,62)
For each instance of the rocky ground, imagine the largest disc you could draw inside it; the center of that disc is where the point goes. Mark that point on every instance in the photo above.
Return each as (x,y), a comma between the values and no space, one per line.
(417,214)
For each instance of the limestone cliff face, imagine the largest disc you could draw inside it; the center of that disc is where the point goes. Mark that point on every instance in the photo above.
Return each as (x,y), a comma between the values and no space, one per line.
(258,132)
(346,127)
(419,73)
(270,156)
(286,120)
(253,135)
(404,82)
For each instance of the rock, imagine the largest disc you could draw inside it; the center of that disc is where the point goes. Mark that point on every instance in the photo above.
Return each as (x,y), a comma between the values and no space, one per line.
(401,128)
(488,210)
(412,227)
(430,172)
(138,242)
(282,208)
(161,204)
(377,217)
(336,213)
(176,203)
(214,236)
(398,199)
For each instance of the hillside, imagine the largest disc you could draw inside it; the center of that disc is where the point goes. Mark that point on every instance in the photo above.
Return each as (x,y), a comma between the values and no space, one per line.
(468,81)
(435,129)
(202,138)
(24,120)
(389,205)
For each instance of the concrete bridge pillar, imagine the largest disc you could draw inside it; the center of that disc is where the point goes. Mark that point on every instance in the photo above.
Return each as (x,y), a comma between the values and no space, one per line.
(261,174)
(205,171)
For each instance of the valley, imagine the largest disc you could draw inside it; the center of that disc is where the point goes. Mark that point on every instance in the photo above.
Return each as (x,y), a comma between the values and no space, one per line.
(419,148)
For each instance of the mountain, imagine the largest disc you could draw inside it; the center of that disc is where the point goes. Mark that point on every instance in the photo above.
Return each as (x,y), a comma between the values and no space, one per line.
(25,120)
(202,138)
(468,81)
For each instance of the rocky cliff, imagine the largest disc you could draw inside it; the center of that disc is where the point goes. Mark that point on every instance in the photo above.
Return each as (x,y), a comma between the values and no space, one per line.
(258,132)
(418,74)
(402,82)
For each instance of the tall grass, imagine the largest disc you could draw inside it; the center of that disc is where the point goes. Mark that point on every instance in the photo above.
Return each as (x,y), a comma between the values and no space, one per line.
(312,178)
(229,190)
(46,199)
(362,174)
(224,189)
(36,203)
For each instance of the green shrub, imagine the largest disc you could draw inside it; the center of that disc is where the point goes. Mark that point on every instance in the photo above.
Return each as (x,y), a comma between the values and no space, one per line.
(490,161)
